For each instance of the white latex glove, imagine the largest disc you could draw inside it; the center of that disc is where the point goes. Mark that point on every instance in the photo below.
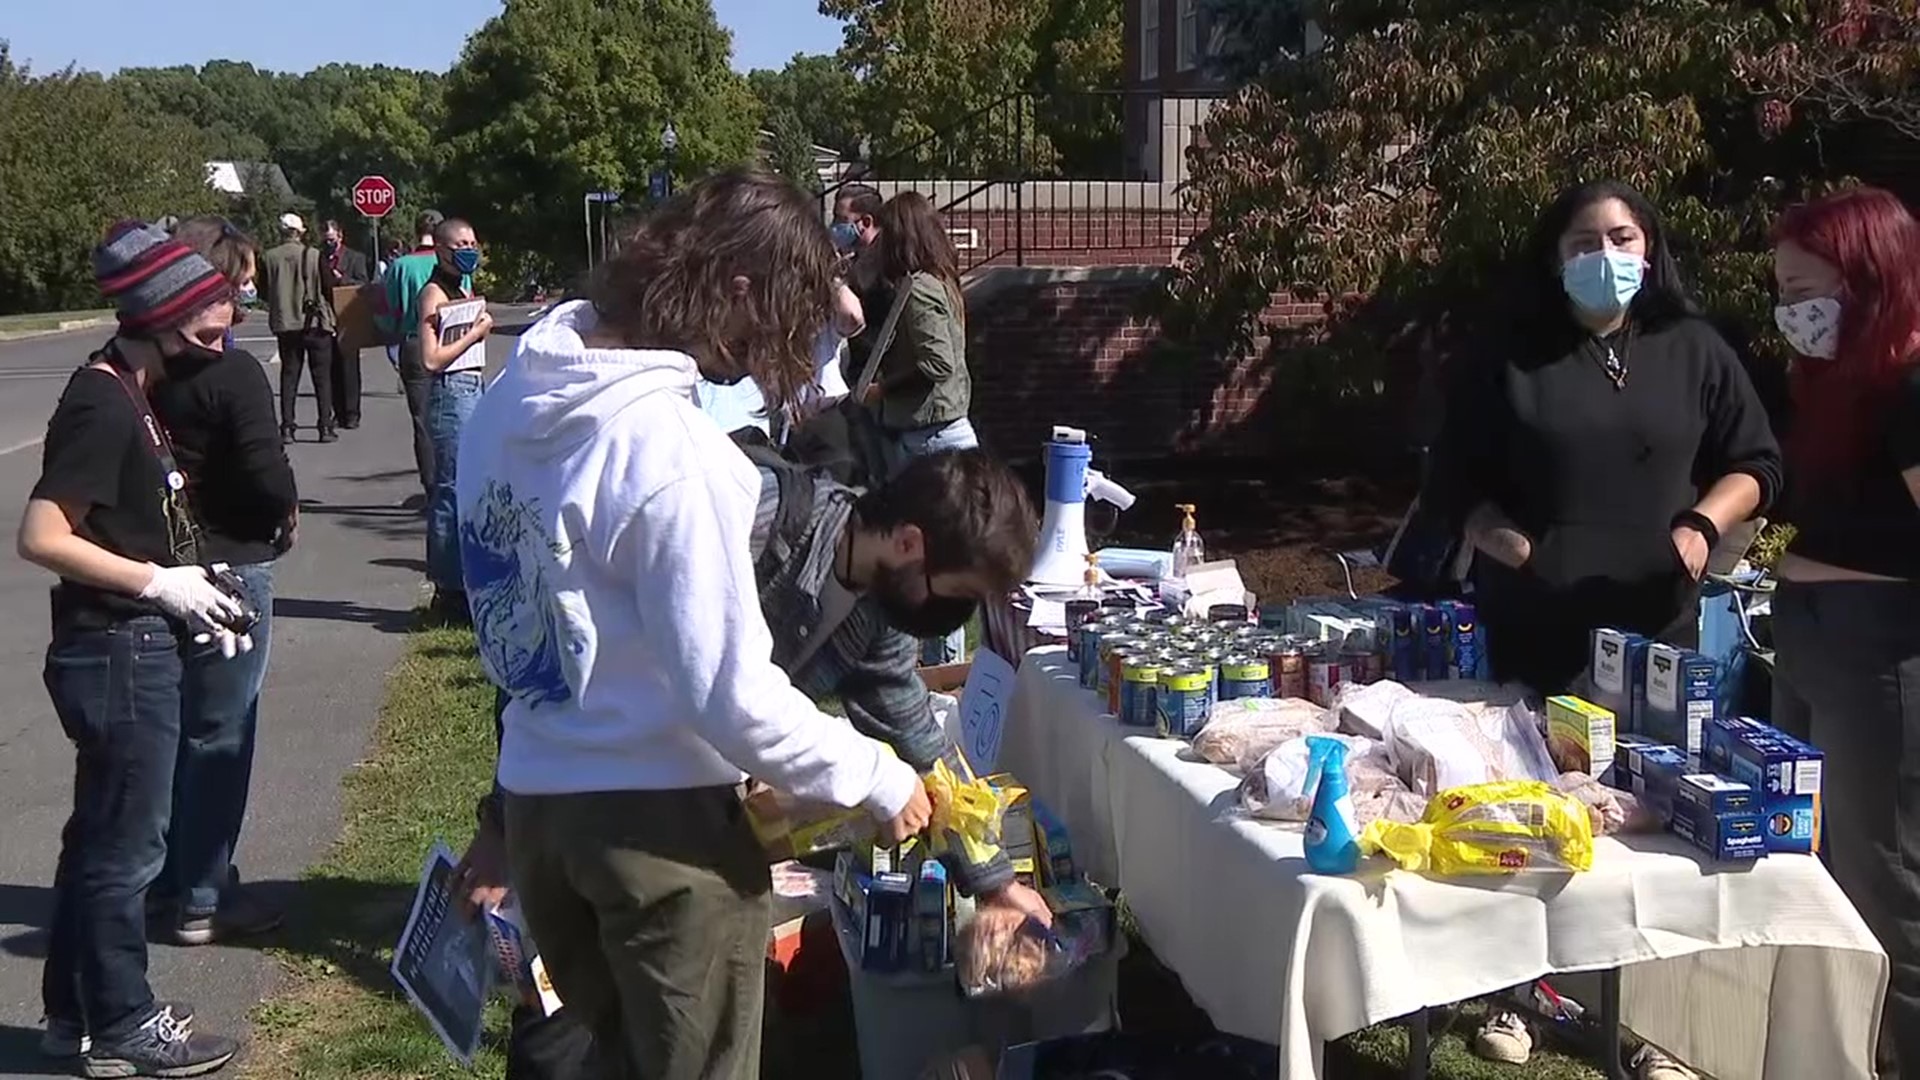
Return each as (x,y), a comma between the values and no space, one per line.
(186,593)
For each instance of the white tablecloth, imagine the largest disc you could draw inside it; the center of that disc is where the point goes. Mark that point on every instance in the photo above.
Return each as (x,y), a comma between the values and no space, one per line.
(1762,972)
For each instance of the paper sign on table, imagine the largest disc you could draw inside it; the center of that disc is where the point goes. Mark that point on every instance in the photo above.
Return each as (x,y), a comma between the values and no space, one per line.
(983,708)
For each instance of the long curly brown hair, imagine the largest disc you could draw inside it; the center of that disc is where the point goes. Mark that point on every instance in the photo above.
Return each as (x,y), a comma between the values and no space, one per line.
(676,281)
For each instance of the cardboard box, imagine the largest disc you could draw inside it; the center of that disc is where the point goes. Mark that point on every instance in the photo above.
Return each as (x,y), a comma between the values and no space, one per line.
(1617,670)
(1716,751)
(1626,758)
(882,912)
(1682,691)
(792,829)
(1706,793)
(1734,837)
(1082,915)
(1580,735)
(1786,774)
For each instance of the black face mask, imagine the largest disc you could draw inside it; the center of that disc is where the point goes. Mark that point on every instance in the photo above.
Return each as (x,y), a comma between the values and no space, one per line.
(936,617)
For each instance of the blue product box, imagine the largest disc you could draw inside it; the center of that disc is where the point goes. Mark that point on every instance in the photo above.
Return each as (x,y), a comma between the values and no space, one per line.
(932,948)
(1618,671)
(1463,639)
(1716,753)
(1626,765)
(1732,837)
(1432,636)
(1658,778)
(1053,850)
(1705,793)
(882,913)
(1787,775)
(1682,694)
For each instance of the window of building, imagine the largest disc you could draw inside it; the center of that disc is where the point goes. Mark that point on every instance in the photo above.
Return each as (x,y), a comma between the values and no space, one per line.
(1188,34)
(1149,39)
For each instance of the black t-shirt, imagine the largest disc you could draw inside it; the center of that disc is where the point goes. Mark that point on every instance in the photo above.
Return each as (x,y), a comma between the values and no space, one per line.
(96,457)
(1867,522)
(226,438)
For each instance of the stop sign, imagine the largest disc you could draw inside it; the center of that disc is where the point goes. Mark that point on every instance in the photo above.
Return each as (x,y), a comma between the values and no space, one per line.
(374,196)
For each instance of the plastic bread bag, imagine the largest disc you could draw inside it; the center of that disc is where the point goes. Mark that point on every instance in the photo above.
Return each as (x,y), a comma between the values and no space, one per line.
(1613,811)
(1004,951)
(1364,708)
(1240,733)
(1436,745)
(1499,828)
(1280,786)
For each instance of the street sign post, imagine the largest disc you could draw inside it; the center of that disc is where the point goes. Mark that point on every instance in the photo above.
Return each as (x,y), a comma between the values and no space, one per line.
(604,198)
(375,198)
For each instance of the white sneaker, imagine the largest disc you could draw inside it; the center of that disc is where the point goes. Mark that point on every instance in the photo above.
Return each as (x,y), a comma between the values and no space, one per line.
(1652,1063)
(1505,1038)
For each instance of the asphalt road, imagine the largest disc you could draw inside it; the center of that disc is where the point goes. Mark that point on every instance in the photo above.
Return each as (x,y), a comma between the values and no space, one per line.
(342,605)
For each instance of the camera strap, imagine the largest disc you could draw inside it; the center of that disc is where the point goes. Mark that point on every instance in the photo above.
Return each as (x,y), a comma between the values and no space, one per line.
(161,446)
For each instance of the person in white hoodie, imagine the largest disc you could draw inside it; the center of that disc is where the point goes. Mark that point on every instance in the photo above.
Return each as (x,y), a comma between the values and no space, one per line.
(605,534)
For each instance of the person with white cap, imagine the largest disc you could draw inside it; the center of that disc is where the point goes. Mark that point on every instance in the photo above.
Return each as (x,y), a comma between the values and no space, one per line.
(302,323)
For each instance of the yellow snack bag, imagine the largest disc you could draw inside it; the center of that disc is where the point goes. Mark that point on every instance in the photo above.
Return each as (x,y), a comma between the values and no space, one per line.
(1502,827)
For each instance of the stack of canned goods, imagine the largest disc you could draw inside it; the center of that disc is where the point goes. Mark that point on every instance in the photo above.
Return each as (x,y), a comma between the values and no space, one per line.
(1164,671)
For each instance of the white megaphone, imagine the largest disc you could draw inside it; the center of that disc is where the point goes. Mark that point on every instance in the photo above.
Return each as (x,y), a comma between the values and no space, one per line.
(1062,559)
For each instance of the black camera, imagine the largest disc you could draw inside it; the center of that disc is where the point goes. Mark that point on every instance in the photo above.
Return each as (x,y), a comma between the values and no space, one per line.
(228,582)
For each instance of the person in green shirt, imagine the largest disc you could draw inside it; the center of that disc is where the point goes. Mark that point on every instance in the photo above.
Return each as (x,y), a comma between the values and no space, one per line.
(404,279)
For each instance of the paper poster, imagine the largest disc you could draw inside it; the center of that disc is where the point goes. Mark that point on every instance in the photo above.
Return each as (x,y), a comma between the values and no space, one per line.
(983,709)
(445,961)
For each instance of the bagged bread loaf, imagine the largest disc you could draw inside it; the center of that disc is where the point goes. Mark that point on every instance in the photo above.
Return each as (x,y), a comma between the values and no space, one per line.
(1363,709)
(1240,733)
(1499,828)
(1435,745)
(1280,786)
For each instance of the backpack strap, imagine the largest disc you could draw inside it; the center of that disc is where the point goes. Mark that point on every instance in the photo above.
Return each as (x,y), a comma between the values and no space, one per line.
(799,486)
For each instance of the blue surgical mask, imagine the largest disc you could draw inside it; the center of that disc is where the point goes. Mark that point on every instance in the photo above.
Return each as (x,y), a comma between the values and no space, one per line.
(466,260)
(1603,282)
(846,236)
(249,293)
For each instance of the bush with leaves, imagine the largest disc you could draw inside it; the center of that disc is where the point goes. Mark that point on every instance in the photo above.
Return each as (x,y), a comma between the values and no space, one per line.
(1394,171)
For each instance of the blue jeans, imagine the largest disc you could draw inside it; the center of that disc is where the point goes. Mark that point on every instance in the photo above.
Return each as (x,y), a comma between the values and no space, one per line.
(219,715)
(451,402)
(957,435)
(117,692)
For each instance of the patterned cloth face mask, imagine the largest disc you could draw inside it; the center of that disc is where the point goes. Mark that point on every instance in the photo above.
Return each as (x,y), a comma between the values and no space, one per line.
(1812,327)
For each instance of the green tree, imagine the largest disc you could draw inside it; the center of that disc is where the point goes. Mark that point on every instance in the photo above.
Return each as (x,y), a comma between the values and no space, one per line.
(822,96)
(555,98)
(944,81)
(791,152)
(1404,163)
(74,158)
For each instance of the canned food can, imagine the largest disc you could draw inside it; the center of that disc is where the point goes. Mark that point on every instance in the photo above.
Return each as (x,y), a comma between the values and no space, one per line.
(1183,701)
(1091,635)
(1079,613)
(1139,688)
(1120,602)
(1228,613)
(1131,653)
(1287,663)
(1243,676)
(1354,662)
(1210,658)
(1107,666)
(1324,676)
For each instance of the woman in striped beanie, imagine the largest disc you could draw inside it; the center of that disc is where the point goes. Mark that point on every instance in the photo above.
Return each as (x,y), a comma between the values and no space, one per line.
(109,516)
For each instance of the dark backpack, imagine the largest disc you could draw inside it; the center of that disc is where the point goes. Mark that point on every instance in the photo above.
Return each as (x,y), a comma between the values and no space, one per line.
(847,440)
(799,487)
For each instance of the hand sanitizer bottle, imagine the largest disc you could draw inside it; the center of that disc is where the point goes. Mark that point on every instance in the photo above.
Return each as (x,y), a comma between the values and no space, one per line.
(1188,552)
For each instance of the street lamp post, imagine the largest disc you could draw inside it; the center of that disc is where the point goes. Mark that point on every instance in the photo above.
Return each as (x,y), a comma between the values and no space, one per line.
(669,145)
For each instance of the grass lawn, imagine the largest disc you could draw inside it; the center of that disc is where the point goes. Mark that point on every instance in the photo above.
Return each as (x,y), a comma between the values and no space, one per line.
(341,1015)
(10,324)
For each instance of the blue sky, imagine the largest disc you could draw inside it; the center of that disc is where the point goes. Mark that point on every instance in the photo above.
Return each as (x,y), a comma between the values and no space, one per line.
(106,35)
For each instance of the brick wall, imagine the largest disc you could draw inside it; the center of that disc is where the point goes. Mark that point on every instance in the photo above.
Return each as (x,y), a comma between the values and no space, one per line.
(1113,237)
(1082,348)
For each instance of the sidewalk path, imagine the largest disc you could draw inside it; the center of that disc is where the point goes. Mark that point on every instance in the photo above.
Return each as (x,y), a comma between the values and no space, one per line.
(343,605)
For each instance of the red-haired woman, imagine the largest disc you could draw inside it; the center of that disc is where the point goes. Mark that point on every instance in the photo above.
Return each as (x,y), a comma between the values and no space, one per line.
(1846,619)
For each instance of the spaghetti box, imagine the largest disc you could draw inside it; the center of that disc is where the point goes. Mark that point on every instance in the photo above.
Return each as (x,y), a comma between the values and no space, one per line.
(1786,775)
(1081,914)
(1657,779)
(1619,675)
(882,910)
(931,946)
(1580,735)
(1731,837)
(1716,751)
(1682,691)
(1052,850)
(1705,793)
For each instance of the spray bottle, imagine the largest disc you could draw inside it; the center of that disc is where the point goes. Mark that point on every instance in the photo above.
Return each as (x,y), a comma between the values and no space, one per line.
(1332,841)
(1188,552)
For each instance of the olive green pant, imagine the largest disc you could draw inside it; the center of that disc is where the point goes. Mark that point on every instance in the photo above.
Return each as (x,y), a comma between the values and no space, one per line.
(650,910)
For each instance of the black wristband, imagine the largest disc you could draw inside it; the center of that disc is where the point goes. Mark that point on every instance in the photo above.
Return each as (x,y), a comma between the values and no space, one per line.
(1700,523)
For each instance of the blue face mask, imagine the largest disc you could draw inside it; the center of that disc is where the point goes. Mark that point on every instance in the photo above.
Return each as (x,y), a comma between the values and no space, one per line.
(466,260)
(1603,282)
(846,236)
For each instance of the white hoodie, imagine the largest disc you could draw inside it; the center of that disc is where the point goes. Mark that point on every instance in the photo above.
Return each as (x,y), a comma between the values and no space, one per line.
(604,535)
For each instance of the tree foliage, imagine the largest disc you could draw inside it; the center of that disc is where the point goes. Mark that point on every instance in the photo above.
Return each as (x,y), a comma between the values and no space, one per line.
(1405,162)
(791,152)
(74,158)
(552,99)
(821,96)
(944,81)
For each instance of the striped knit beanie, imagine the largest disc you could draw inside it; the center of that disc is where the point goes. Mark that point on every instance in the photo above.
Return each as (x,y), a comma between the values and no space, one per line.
(154,280)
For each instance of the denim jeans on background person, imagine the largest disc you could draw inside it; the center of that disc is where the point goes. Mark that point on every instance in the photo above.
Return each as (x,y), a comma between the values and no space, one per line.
(958,435)
(219,720)
(117,692)
(455,396)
